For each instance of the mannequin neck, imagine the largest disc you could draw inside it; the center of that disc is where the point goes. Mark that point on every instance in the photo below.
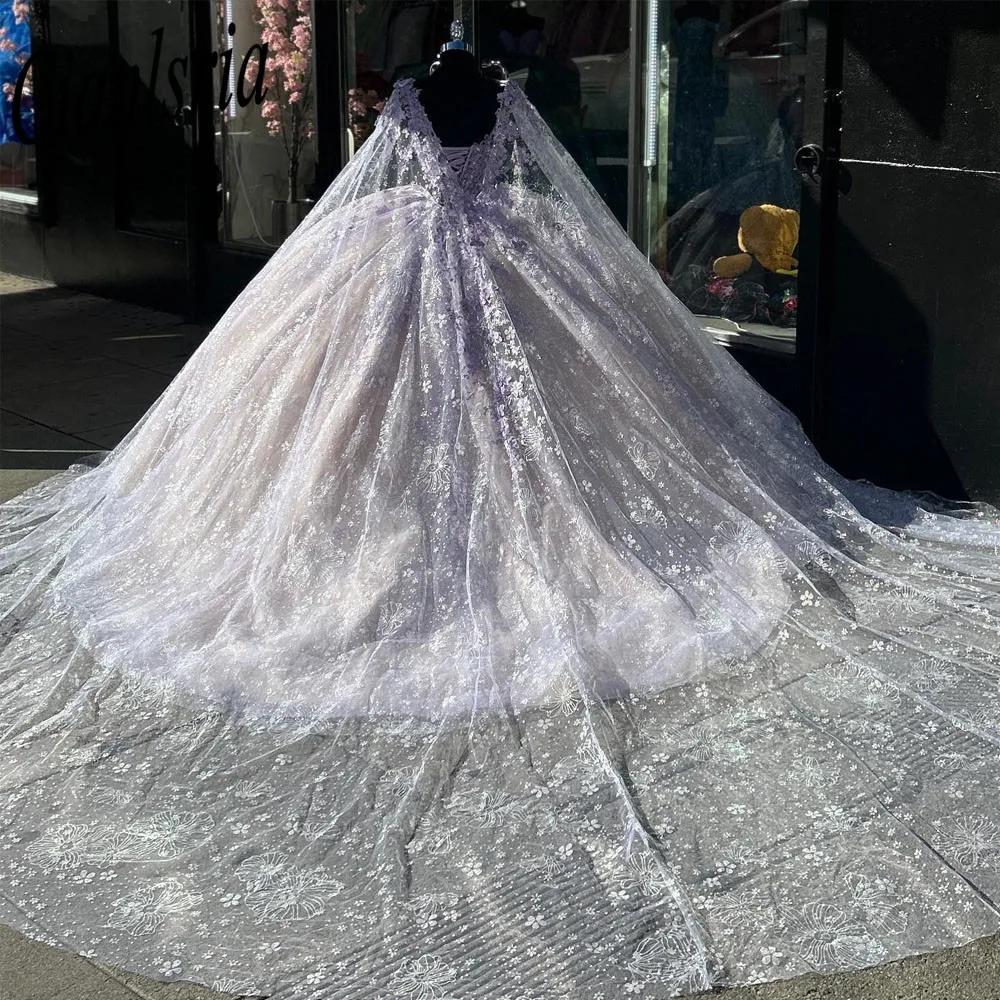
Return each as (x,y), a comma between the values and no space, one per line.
(455,66)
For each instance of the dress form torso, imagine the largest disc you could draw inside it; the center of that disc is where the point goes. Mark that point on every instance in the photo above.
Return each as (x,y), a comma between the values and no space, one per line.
(460,103)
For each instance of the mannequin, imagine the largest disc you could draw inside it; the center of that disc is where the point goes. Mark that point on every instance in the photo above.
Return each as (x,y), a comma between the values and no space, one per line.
(460,102)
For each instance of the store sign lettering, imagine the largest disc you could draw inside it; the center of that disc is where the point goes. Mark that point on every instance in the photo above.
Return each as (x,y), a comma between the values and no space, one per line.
(177,71)
(15,120)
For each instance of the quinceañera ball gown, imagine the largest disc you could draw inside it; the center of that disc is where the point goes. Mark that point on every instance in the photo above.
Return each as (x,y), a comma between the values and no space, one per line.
(462,623)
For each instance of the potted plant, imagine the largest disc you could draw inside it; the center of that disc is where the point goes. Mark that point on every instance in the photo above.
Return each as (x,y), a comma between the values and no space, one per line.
(286,30)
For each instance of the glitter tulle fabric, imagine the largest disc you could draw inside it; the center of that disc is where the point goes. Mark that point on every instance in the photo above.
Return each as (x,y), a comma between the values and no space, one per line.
(462,623)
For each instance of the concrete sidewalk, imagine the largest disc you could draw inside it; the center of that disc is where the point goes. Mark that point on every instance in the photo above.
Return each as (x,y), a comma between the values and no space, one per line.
(32,971)
(78,371)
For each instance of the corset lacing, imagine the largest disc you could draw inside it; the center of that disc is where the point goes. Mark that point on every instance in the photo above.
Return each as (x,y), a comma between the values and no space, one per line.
(456,156)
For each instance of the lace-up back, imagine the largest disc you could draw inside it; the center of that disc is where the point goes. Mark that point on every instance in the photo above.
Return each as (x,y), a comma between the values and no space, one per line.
(456,156)
(471,166)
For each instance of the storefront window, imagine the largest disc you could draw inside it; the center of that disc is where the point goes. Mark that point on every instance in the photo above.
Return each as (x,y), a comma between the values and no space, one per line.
(387,40)
(723,119)
(716,89)
(572,61)
(266,129)
(17,116)
(150,83)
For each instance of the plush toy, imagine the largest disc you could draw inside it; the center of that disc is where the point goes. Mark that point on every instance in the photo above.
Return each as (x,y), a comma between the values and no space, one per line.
(768,234)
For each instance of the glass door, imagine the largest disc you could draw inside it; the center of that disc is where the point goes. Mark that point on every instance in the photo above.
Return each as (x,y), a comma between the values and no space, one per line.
(385,40)
(692,118)
(571,59)
(165,180)
(265,121)
(722,120)
(151,47)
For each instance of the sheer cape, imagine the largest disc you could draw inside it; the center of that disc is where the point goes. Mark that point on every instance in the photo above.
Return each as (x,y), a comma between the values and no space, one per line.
(462,622)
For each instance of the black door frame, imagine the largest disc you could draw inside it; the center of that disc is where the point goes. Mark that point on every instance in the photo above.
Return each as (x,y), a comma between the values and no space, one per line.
(200,201)
(196,118)
(818,207)
(330,81)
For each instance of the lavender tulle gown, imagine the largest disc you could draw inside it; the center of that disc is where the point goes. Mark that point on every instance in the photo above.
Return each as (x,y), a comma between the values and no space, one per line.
(462,623)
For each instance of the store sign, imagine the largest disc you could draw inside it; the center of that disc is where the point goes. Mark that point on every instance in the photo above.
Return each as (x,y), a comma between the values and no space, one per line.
(177,72)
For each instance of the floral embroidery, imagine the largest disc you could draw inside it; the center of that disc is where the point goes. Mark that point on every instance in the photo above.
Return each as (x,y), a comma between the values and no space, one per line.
(827,936)
(144,911)
(973,841)
(670,959)
(424,978)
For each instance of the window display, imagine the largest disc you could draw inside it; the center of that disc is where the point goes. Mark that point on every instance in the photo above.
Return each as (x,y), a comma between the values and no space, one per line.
(572,61)
(385,40)
(723,195)
(265,118)
(17,113)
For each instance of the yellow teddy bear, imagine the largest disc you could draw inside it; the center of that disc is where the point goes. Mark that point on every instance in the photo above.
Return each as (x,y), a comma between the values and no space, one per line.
(767,233)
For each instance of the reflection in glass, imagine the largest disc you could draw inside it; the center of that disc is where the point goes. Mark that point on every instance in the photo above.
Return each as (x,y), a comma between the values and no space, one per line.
(722,199)
(153,47)
(265,126)
(572,60)
(385,41)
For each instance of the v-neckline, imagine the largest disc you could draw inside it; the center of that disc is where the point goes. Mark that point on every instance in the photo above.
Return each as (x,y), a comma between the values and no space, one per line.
(418,115)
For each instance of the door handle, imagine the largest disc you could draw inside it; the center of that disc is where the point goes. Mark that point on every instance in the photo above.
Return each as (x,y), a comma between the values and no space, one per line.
(809,160)
(184,116)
